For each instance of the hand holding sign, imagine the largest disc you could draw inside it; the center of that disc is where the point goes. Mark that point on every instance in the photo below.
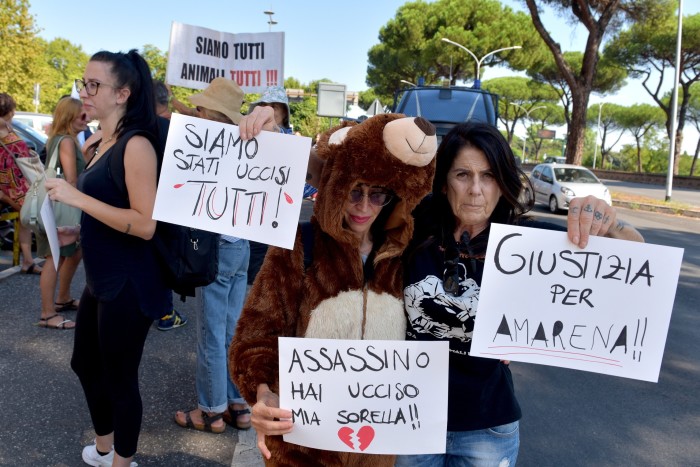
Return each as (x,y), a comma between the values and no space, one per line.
(268,419)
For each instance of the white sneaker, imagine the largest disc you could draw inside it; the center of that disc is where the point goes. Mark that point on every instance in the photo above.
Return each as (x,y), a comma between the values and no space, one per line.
(92,457)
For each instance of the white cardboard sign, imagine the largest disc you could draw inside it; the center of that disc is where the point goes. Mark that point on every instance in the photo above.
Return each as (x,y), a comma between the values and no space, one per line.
(378,397)
(212,180)
(197,55)
(605,308)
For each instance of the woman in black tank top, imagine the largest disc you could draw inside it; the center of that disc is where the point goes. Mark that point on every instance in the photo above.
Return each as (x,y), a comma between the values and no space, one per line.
(125,289)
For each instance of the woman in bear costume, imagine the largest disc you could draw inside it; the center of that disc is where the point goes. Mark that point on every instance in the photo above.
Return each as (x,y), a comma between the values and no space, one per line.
(352,289)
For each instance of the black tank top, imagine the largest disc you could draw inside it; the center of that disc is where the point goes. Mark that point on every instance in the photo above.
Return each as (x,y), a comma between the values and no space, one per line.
(112,258)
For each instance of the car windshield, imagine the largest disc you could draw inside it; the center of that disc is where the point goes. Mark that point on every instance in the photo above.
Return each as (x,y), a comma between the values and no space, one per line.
(574,175)
(446,105)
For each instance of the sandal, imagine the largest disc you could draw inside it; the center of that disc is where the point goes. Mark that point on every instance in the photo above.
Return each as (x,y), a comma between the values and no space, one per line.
(31,269)
(70,305)
(232,417)
(44,323)
(205,426)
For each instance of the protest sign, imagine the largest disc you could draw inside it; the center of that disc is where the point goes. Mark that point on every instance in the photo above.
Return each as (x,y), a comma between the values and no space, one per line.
(212,180)
(605,308)
(375,397)
(198,55)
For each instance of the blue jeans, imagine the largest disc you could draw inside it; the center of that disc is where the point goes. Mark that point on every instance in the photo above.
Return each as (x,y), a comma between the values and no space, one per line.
(493,447)
(222,301)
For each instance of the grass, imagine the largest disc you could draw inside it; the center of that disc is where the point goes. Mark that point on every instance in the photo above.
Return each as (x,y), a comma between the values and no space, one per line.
(616,196)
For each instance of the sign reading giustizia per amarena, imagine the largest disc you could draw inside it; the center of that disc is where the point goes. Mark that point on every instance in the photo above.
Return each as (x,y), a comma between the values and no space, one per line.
(378,397)
(212,180)
(605,308)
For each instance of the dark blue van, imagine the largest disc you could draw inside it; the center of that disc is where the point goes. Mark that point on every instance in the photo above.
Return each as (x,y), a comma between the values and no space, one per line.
(446,106)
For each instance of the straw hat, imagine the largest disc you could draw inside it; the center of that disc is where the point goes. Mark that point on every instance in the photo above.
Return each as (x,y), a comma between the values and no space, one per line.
(222,95)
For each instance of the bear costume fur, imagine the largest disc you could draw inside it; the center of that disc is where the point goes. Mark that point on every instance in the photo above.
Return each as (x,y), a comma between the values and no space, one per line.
(337,296)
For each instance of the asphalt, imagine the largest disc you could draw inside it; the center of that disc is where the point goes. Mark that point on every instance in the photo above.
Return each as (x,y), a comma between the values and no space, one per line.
(45,419)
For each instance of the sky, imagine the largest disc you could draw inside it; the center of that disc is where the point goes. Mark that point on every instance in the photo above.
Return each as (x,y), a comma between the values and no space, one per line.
(323,39)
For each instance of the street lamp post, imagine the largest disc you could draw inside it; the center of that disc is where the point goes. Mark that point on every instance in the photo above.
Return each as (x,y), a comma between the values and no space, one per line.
(270,21)
(527,115)
(477,81)
(597,134)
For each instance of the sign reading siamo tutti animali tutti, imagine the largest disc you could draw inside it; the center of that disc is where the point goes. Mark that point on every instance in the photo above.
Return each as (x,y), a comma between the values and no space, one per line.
(213,180)
(605,308)
(365,396)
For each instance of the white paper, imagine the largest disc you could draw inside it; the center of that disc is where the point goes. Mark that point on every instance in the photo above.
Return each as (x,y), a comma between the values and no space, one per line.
(379,397)
(47,216)
(604,309)
(212,180)
(197,55)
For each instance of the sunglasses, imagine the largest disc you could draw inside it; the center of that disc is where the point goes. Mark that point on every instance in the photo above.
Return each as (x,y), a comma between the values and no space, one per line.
(376,196)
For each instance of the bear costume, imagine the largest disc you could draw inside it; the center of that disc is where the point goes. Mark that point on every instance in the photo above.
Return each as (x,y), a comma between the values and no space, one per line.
(337,296)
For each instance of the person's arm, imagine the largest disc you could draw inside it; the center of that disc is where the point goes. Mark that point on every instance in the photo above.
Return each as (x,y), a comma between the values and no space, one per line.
(140,176)
(68,160)
(7,200)
(593,216)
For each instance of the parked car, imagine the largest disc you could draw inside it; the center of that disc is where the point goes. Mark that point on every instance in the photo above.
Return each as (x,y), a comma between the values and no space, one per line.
(557,184)
(32,137)
(40,122)
(446,106)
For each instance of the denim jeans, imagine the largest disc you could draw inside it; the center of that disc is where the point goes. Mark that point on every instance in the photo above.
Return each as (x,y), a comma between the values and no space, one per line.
(492,447)
(221,304)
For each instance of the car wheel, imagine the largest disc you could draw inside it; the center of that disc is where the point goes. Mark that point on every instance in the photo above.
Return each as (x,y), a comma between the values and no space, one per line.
(553,205)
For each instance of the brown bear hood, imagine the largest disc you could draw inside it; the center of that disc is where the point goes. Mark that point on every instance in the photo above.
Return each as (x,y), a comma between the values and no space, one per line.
(389,150)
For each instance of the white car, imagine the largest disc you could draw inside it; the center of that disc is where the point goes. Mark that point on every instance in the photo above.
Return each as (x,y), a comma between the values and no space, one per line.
(40,122)
(557,184)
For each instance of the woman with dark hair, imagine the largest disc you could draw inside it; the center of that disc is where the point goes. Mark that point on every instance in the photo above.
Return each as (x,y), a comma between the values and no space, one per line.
(477,182)
(125,291)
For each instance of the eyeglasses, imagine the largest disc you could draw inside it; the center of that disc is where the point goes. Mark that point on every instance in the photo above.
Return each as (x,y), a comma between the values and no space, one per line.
(376,197)
(91,87)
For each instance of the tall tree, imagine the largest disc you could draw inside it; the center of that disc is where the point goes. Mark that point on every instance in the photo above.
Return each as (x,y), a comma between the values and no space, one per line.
(63,62)
(20,57)
(598,17)
(648,50)
(610,130)
(609,78)
(694,117)
(516,95)
(641,120)
(411,47)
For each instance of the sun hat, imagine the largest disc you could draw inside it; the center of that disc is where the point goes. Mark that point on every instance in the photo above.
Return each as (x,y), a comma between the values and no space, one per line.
(273,94)
(222,95)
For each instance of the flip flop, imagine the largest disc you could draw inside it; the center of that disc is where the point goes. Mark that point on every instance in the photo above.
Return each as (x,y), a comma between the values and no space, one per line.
(70,305)
(32,269)
(44,323)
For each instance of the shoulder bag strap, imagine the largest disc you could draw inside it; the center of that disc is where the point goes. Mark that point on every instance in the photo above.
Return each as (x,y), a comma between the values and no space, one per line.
(53,161)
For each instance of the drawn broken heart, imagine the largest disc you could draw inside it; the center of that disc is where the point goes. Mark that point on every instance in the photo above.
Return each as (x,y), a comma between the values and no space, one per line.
(365,435)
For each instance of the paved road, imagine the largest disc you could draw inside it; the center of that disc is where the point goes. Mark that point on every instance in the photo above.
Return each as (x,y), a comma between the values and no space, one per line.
(45,421)
(570,417)
(576,418)
(681,195)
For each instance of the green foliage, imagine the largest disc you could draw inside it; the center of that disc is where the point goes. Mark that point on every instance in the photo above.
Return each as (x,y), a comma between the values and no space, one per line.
(157,61)
(20,58)
(410,45)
